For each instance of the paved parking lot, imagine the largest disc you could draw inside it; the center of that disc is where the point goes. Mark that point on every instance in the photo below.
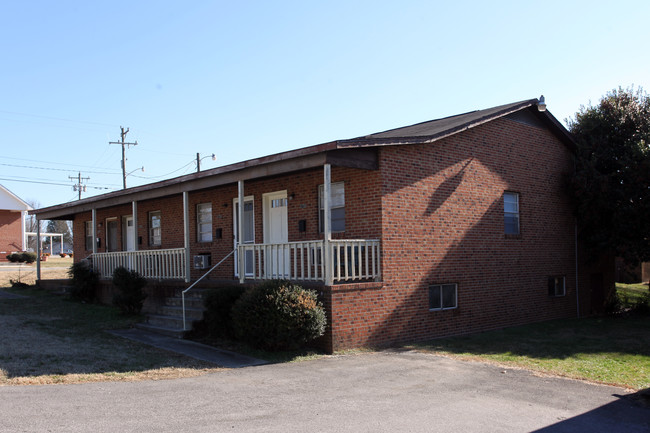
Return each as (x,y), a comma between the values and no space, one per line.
(373,392)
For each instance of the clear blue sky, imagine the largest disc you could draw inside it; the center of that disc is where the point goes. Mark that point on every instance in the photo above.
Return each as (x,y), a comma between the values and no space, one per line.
(247,79)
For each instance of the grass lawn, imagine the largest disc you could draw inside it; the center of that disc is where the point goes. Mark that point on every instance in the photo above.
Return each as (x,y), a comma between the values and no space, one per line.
(611,350)
(47,339)
(631,294)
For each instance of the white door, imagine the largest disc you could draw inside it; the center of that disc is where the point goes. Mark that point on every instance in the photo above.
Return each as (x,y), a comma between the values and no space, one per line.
(276,234)
(129,230)
(248,225)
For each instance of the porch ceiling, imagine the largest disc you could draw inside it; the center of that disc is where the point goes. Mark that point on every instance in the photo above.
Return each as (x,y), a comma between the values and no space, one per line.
(288,162)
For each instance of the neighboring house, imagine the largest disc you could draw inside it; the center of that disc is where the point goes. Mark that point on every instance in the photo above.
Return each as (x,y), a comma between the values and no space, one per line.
(13,211)
(451,226)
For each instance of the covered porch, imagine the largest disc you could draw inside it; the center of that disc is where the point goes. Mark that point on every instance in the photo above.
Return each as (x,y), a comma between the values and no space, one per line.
(117,229)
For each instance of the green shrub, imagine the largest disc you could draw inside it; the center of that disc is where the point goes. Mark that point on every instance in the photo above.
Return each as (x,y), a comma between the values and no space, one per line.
(278,315)
(16,258)
(84,282)
(218,304)
(130,298)
(28,257)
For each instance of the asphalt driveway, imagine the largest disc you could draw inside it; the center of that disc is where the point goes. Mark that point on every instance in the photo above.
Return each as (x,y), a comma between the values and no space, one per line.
(374,392)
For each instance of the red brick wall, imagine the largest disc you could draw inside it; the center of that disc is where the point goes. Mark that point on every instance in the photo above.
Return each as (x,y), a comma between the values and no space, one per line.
(10,233)
(442,222)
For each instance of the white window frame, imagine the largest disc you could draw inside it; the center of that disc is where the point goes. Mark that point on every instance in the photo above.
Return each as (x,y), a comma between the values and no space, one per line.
(442,287)
(204,222)
(155,239)
(335,205)
(511,212)
(557,286)
(88,235)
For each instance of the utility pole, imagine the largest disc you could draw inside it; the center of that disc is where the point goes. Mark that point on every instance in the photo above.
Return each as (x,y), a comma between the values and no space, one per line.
(123,143)
(79,186)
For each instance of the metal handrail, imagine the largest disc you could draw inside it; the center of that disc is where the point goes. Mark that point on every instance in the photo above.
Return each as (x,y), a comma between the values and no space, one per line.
(194,284)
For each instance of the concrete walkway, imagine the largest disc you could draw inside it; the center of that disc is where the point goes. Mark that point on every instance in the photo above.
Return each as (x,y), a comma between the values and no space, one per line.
(220,357)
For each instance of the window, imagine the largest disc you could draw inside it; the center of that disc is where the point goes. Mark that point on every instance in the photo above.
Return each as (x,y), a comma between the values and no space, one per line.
(443,297)
(89,235)
(154,228)
(556,286)
(204,222)
(511,213)
(337,207)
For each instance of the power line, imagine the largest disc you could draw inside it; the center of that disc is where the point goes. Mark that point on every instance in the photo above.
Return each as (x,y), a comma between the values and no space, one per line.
(16,177)
(52,169)
(167,174)
(50,183)
(54,163)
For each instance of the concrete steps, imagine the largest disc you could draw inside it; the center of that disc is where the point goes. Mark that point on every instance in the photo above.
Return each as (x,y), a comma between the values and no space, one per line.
(168,318)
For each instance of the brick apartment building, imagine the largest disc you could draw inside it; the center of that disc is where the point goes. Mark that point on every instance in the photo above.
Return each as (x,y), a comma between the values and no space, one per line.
(446,227)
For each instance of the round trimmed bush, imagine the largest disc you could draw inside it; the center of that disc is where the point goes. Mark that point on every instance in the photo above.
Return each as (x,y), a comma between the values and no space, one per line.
(278,315)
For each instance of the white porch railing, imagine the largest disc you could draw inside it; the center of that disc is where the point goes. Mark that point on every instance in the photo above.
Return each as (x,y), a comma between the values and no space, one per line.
(352,259)
(154,264)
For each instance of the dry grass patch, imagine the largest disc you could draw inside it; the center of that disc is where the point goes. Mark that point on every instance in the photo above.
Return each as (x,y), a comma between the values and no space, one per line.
(46,339)
(53,269)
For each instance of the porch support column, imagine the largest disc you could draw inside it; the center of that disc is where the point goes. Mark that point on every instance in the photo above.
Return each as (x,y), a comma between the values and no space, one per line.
(23,221)
(186,234)
(94,218)
(241,261)
(327,225)
(38,249)
(134,206)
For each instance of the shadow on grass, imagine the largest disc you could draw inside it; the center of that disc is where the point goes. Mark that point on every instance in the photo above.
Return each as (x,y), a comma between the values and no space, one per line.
(559,339)
(610,350)
(47,335)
